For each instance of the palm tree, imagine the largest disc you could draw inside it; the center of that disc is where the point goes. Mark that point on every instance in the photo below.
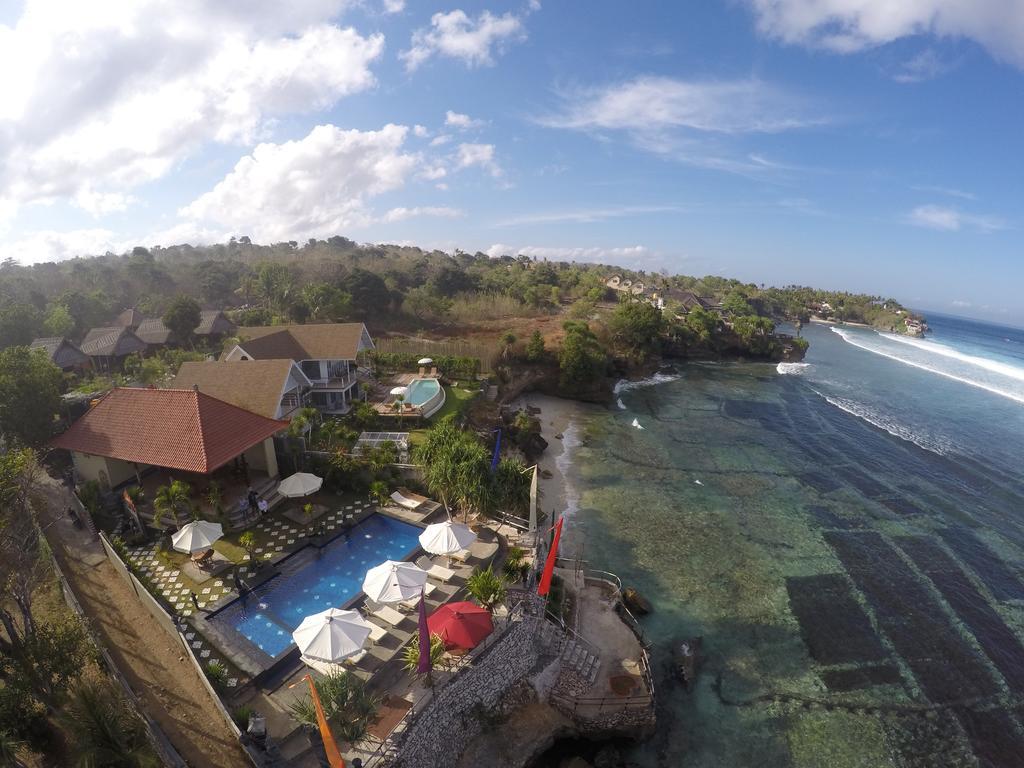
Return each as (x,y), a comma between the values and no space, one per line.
(399,403)
(247,541)
(379,492)
(9,749)
(411,655)
(173,498)
(347,705)
(104,729)
(486,587)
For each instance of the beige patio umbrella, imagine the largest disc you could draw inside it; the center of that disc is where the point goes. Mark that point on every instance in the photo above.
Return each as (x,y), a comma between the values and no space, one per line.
(196,536)
(393,581)
(331,635)
(300,484)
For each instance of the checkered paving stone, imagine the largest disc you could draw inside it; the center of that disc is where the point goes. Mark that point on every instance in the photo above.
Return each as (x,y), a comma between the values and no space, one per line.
(169,584)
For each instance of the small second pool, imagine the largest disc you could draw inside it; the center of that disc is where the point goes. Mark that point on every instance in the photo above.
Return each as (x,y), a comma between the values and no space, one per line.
(314,580)
(420,391)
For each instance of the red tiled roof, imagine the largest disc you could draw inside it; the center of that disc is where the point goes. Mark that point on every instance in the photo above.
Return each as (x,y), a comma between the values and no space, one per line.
(176,428)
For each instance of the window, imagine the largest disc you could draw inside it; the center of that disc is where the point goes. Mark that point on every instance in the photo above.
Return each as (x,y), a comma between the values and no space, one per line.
(311,368)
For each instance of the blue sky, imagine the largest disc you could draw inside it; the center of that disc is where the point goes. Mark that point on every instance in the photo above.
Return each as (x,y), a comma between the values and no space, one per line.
(850,144)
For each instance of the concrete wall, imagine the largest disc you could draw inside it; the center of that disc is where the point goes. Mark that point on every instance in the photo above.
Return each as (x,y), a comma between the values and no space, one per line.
(90,467)
(262,457)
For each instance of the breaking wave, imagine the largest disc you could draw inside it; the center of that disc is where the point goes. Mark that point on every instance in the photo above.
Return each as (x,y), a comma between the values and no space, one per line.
(792,369)
(570,442)
(625,385)
(933,443)
(992,376)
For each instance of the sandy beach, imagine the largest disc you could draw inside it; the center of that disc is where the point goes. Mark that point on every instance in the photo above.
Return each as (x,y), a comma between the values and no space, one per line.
(560,422)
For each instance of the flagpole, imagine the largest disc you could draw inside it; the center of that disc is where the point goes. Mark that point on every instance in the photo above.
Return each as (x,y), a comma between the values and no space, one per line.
(334,758)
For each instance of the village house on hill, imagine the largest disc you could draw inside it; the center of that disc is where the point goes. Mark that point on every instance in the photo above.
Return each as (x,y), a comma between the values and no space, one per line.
(63,353)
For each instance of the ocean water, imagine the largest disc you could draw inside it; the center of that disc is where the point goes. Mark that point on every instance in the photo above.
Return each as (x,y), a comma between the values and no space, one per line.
(846,534)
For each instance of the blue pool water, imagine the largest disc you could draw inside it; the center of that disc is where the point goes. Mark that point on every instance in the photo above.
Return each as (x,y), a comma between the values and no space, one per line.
(313,580)
(420,391)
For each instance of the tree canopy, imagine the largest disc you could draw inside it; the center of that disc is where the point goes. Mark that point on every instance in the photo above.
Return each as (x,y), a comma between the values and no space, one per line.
(182,317)
(29,395)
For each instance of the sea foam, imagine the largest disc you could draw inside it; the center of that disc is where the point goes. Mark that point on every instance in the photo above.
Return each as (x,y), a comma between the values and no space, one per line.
(935,444)
(1003,389)
(792,369)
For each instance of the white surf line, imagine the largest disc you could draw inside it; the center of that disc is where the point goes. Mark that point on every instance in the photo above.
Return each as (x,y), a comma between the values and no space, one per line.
(894,428)
(969,382)
(1004,369)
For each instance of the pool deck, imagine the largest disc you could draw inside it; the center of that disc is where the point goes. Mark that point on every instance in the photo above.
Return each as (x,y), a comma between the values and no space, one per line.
(382,666)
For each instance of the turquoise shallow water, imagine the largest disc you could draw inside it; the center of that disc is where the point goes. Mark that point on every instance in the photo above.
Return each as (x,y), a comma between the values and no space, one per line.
(848,537)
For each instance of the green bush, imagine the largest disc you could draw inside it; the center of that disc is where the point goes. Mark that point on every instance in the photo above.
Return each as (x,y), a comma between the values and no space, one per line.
(217,674)
(241,716)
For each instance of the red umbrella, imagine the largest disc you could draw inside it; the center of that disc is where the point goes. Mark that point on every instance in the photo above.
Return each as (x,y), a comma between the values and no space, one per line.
(460,625)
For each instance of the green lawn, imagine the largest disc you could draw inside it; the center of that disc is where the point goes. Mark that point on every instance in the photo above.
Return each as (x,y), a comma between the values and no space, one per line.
(456,400)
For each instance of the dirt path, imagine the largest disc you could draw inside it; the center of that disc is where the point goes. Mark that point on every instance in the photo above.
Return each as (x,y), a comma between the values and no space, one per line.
(154,663)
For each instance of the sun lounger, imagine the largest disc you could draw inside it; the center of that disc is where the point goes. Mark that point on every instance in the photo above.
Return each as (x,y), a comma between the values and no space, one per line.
(403,501)
(385,613)
(462,556)
(413,602)
(377,633)
(326,668)
(434,570)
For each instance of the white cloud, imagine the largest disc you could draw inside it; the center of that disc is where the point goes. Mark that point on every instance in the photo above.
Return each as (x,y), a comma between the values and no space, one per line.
(926,65)
(477,155)
(441,140)
(394,6)
(560,253)
(109,96)
(401,214)
(589,215)
(461,122)
(458,36)
(36,247)
(946,191)
(961,303)
(953,220)
(433,172)
(420,131)
(313,187)
(852,25)
(692,121)
(649,104)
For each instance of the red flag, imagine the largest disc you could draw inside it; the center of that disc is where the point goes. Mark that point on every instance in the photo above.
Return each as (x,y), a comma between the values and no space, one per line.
(549,566)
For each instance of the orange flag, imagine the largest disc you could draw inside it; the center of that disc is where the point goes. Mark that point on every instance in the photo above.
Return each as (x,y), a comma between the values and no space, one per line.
(549,566)
(330,745)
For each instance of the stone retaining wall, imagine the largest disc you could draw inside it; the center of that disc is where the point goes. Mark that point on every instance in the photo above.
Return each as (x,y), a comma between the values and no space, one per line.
(467,703)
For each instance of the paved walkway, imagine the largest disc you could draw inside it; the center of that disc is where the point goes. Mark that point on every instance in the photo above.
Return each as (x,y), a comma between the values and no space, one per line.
(154,663)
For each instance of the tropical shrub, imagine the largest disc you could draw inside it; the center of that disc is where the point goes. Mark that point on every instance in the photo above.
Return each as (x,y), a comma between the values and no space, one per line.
(411,655)
(347,705)
(103,728)
(486,587)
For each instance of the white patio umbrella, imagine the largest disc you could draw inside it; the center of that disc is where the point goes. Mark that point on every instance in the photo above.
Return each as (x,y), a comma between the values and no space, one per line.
(425,361)
(399,390)
(393,582)
(300,484)
(196,536)
(446,538)
(331,635)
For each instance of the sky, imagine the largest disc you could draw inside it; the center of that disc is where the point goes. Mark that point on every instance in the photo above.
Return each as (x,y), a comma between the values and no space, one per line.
(861,145)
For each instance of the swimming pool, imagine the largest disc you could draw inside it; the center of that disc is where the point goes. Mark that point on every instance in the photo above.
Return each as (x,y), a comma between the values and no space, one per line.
(425,394)
(420,391)
(313,580)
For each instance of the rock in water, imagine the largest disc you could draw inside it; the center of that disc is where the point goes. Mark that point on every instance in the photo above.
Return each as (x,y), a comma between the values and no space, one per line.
(635,602)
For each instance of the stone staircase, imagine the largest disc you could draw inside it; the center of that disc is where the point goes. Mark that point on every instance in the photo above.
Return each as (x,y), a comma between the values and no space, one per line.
(576,656)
